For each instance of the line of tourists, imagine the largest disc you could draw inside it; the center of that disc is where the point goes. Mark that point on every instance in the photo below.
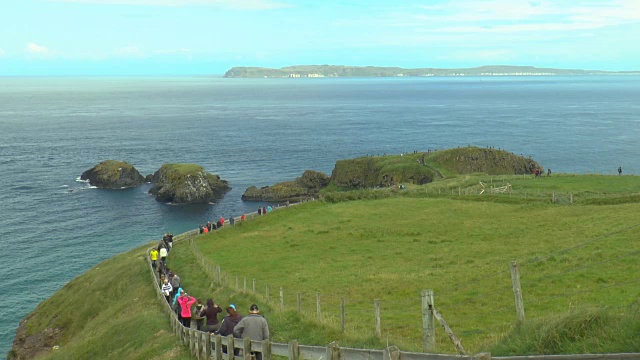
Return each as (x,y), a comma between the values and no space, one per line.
(204,316)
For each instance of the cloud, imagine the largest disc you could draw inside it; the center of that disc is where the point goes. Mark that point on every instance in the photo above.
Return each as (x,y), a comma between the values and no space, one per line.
(230,4)
(129,52)
(33,48)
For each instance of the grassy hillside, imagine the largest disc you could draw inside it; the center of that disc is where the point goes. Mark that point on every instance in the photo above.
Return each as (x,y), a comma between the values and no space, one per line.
(425,167)
(572,258)
(110,312)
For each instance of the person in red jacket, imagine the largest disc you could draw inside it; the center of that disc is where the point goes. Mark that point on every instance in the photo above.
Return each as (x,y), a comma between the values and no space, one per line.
(186,302)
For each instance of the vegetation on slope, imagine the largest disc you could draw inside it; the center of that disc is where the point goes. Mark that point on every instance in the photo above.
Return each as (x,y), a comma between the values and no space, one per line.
(304,187)
(187,183)
(113,174)
(572,258)
(422,168)
(378,71)
(109,312)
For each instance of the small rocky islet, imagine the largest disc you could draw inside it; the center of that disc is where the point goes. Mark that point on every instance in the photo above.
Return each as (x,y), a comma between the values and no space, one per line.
(172,183)
(187,184)
(113,174)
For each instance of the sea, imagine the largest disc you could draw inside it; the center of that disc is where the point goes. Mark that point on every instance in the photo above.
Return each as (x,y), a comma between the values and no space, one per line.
(256,132)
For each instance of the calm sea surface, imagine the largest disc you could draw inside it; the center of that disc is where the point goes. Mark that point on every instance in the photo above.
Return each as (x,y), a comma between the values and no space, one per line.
(256,132)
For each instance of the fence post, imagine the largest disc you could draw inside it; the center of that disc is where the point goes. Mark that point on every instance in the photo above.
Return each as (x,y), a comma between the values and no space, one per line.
(192,340)
(571,199)
(218,347)
(245,284)
(553,197)
(267,291)
(517,291)
(333,351)
(294,351)
(230,347)
(246,348)
(318,312)
(207,345)
(281,299)
(428,322)
(254,286)
(299,302)
(266,349)
(342,315)
(391,353)
(376,313)
(237,283)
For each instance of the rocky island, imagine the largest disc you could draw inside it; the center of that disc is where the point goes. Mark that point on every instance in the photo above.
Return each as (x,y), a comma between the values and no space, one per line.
(113,174)
(185,184)
(304,187)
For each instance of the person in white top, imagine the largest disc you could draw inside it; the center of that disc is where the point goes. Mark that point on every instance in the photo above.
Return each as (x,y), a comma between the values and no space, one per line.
(163,255)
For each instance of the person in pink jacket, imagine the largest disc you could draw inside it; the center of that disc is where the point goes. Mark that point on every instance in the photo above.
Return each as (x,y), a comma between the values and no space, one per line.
(186,302)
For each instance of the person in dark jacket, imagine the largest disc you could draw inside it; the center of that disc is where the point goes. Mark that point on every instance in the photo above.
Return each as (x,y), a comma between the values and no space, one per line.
(227,325)
(211,313)
(229,321)
(254,327)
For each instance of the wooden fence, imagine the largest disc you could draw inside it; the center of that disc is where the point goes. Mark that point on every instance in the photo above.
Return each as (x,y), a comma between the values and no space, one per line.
(204,345)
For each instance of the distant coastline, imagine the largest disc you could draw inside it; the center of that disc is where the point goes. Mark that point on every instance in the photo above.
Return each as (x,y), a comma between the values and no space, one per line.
(321,71)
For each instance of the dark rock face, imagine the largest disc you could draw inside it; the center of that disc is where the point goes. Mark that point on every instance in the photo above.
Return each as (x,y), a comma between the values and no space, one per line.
(112,174)
(186,183)
(29,346)
(305,187)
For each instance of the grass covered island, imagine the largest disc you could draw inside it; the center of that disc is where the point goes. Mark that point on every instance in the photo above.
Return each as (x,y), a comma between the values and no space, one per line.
(186,183)
(320,71)
(573,237)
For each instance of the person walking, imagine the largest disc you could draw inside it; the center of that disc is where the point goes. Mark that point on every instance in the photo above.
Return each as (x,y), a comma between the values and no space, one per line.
(154,257)
(186,302)
(163,255)
(211,312)
(232,220)
(197,315)
(166,290)
(254,327)
(227,325)
(229,322)
(619,170)
(175,281)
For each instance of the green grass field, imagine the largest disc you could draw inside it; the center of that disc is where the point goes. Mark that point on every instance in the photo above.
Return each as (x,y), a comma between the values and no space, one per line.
(573,258)
(110,312)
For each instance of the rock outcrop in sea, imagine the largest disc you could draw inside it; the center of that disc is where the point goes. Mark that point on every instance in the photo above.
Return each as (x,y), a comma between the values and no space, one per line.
(186,183)
(113,174)
(304,187)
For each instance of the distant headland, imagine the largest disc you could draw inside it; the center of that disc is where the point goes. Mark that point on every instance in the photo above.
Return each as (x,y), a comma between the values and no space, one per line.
(320,71)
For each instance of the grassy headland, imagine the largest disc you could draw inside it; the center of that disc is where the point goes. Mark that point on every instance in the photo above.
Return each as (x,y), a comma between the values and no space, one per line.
(573,258)
(109,312)
(378,71)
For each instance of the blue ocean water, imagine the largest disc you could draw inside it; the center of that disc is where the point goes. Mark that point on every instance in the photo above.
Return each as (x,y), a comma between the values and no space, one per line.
(256,132)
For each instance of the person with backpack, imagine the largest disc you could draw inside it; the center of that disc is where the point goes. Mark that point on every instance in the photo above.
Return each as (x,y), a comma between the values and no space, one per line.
(197,315)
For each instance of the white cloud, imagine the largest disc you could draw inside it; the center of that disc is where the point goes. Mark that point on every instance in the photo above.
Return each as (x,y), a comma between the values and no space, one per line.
(129,52)
(231,4)
(36,49)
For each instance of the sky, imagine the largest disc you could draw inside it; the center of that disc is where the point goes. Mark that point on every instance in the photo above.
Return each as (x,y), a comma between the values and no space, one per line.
(181,37)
